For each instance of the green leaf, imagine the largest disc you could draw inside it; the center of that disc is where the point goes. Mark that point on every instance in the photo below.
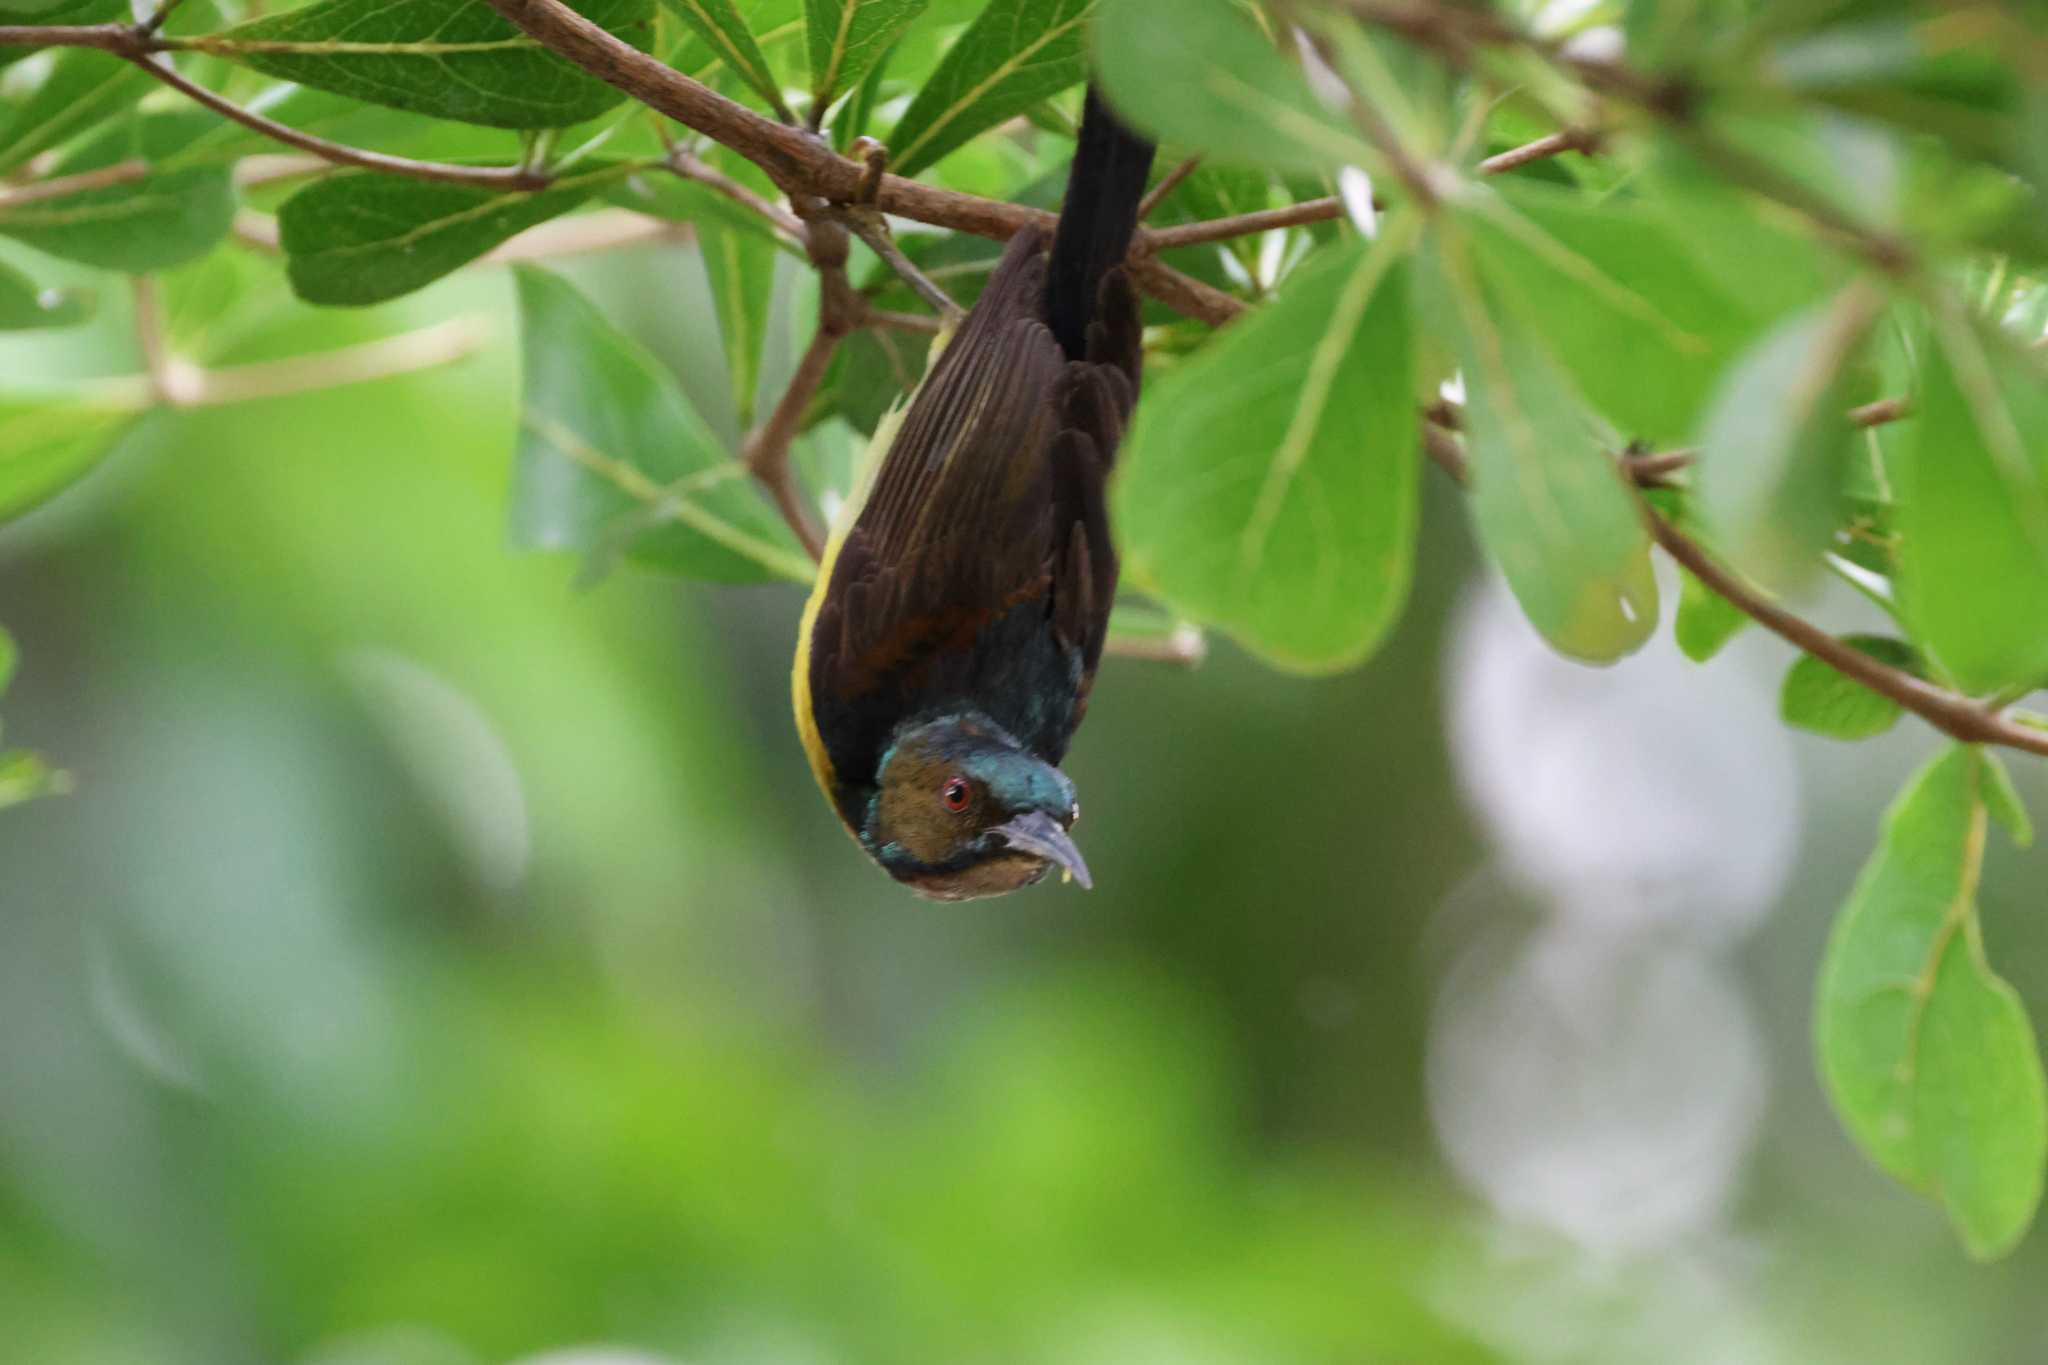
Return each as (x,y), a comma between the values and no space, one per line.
(360,237)
(10,657)
(1642,329)
(727,35)
(48,443)
(849,36)
(84,89)
(1552,506)
(1199,72)
(454,59)
(1815,697)
(610,445)
(1775,447)
(2005,803)
(1972,481)
(1015,54)
(1268,487)
(166,218)
(741,268)
(1705,620)
(852,121)
(25,776)
(23,307)
(1928,1054)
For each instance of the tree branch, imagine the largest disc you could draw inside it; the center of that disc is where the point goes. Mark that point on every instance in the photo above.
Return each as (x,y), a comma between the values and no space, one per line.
(1240,225)
(120,173)
(1954,714)
(804,165)
(691,167)
(1567,140)
(485,177)
(1168,183)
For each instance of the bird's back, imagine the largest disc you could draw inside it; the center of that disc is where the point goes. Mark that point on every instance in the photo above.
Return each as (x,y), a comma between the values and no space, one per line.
(978,571)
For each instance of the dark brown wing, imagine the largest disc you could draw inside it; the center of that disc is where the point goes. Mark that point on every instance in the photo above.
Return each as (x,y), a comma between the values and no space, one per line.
(940,594)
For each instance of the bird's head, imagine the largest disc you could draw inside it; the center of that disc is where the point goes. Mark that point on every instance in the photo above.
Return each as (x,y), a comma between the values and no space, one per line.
(961,811)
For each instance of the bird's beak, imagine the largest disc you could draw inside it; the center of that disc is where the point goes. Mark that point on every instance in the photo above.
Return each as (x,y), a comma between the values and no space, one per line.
(1037,833)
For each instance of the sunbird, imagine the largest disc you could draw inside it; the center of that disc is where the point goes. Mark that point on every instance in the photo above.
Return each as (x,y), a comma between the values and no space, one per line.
(958,618)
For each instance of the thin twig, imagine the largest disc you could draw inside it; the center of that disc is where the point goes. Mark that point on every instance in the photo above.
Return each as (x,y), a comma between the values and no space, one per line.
(172,381)
(1567,140)
(841,309)
(1882,411)
(692,167)
(1954,714)
(1168,183)
(767,450)
(1950,712)
(803,165)
(579,235)
(903,322)
(1184,645)
(870,228)
(1241,224)
(428,348)
(120,173)
(486,177)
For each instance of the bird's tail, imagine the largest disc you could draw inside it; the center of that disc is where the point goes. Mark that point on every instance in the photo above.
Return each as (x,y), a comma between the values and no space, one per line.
(1101,212)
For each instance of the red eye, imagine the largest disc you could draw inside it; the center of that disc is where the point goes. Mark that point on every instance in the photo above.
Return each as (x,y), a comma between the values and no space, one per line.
(955,793)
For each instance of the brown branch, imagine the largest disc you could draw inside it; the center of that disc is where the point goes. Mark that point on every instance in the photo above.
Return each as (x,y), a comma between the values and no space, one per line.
(1168,183)
(873,229)
(1184,645)
(120,38)
(120,173)
(841,309)
(1568,140)
(691,167)
(1240,224)
(1323,210)
(486,177)
(802,164)
(428,348)
(172,381)
(579,235)
(1882,411)
(1954,714)
(902,322)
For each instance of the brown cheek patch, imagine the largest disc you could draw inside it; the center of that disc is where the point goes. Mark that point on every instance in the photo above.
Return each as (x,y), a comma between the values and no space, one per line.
(914,815)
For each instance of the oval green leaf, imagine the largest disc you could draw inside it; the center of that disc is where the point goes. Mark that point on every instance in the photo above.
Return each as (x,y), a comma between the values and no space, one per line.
(1775,447)
(24,307)
(1815,697)
(1929,1055)
(453,59)
(613,459)
(1015,54)
(1201,74)
(1268,486)
(726,34)
(1972,475)
(1552,507)
(361,238)
(847,37)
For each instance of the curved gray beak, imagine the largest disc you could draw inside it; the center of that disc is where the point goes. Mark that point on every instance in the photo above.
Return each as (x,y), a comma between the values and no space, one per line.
(1037,833)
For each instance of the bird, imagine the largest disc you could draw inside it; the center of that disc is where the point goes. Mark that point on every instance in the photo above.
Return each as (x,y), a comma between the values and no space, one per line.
(960,609)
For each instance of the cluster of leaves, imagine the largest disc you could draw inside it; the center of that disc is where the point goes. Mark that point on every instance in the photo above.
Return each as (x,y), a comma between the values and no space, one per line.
(1796,209)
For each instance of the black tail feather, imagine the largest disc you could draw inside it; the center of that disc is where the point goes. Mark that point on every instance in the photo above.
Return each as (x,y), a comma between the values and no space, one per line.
(1101,212)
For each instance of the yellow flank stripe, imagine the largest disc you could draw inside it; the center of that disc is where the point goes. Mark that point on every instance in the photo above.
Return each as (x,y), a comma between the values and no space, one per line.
(800,670)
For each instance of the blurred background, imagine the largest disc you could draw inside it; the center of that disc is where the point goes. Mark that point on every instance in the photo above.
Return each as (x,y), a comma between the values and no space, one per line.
(439,963)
